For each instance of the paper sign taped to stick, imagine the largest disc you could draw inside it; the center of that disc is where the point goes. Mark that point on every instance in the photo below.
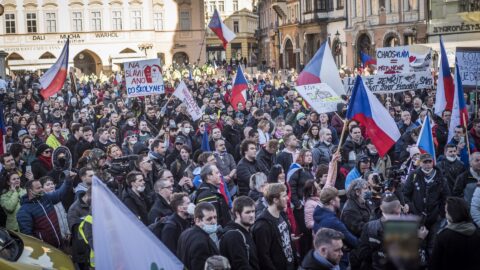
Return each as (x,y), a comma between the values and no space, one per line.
(468,60)
(184,95)
(321,97)
(403,59)
(144,78)
(392,83)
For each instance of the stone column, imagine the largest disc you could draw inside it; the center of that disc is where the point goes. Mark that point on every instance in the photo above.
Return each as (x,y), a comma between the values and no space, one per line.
(3,55)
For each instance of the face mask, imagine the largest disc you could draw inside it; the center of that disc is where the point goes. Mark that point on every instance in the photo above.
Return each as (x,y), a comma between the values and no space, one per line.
(132,142)
(191,209)
(210,228)
(186,130)
(367,195)
(130,123)
(451,159)
(373,152)
(45,111)
(39,194)
(427,171)
(140,189)
(62,161)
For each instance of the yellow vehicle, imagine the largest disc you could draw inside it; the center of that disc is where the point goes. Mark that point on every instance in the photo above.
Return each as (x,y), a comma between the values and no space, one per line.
(22,252)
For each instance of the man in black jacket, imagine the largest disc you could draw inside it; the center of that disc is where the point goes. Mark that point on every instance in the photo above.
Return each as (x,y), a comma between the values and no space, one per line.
(208,192)
(133,196)
(266,157)
(290,153)
(272,232)
(195,245)
(327,251)
(450,165)
(246,167)
(161,207)
(237,243)
(177,222)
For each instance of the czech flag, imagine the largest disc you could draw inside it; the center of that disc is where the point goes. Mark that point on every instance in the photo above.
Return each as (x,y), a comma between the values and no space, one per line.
(52,81)
(459,110)
(3,131)
(322,69)
(367,60)
(366,109)
(445,88)
(239,89)
(221,30)
(205,143)
(425,139)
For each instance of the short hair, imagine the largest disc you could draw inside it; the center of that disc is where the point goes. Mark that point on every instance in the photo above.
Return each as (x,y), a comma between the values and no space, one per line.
(75,127)
(245,144)
(177,199)
(87,128)
(241,202)
(217,262)
(203,206)
(462,127)
(273,144)
(257,180)
(2,157)
(207,170)
(155,144)
(389,203)
(203,158)
(101,130)
(450,145)
(352,127)
(252,132)
(458,210)
(29,184)
(356,184)
(44,179)
(160,183)
(287,137)
(324,236)
(132,177)
(472,156)
(273,191)
(263,123)
(83,171)
(140,158)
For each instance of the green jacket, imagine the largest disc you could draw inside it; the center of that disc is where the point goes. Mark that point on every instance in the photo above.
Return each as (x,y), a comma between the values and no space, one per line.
(10,201)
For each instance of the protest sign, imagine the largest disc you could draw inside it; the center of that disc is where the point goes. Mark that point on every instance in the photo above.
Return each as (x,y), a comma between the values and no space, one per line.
(184,95)
(403,59)
(392,83)
(144,78)
(321,97)
(468,60)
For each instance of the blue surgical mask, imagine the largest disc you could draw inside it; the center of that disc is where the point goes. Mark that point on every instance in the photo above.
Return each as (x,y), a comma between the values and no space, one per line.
(367,195)
(210,228)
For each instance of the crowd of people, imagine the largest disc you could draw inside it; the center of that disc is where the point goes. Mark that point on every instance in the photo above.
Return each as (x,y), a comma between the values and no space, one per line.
(273,185)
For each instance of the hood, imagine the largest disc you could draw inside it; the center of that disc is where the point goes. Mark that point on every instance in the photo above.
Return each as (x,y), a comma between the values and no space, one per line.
(321,213)
(465,228)
(230,226)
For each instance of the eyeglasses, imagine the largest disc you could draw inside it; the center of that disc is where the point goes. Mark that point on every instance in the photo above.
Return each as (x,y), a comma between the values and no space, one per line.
(47,151)
(168,187)
(147,161)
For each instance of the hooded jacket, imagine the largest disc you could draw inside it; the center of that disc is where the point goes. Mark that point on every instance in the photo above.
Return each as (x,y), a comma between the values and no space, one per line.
(325,218)
(312,263)
(210,193)
(37,217)
(245,169)
(237,245)
(456,247)
(195,247)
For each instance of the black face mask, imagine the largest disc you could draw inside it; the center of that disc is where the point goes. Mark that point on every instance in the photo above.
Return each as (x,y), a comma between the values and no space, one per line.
(62,162)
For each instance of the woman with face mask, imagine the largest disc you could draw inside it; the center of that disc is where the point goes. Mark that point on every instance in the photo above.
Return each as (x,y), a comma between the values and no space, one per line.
(133,197)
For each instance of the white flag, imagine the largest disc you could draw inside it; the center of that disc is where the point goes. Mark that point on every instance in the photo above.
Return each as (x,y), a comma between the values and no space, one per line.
(184,95)
(121,240)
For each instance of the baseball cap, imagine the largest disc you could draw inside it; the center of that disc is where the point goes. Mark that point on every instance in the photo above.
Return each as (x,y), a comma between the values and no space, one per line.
(300,116)
(425,157)
(22,132)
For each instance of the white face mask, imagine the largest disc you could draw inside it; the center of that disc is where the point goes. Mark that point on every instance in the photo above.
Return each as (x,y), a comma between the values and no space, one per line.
(427,171)
(191,209)
(186,130)
(452,159)
(140,189)
(132,142)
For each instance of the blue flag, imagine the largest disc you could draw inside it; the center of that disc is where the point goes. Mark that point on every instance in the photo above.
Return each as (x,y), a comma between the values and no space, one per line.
(205,145)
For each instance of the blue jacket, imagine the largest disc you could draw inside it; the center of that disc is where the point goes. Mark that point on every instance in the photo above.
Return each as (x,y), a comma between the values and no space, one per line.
(325,218)
(37,217)
(352,175)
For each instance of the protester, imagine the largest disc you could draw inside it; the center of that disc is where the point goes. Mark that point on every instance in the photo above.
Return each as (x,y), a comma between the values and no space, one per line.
(327,251)
(176,223)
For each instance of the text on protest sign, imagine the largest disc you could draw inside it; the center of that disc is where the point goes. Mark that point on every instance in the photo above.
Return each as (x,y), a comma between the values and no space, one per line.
(392,83)
(184,95)
(403,59)
(321,97)
(144,78)
(468,60)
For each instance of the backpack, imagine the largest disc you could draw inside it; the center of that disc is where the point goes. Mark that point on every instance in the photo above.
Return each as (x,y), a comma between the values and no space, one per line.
(247,246)
(157,226)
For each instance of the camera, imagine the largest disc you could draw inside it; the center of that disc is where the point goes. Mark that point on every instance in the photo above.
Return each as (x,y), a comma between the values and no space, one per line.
(121,166)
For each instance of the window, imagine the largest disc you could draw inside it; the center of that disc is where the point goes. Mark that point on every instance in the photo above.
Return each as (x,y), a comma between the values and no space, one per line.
(322,5)
(158,21)
(184,20)
(308,5)
(117,20)
(77,20)
(10,24)
(96,21)
(340,4)
(235,5)
(137,19)
(31,22)
(221,6)
(236,27)
(212,6)
(469,5)
(51,20)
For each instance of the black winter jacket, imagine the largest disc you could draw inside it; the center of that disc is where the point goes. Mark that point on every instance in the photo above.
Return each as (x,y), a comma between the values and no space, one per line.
(310,263)
(355,215)
(195,247)
(173,228)
(160,209)
(136,204)
(451,170)
(245,169)
(297,182)
(209,193)
(265,160)
(237,245)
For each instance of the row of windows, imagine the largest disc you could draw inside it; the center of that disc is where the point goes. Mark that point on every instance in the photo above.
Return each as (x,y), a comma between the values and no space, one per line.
(95,21)
(220,5)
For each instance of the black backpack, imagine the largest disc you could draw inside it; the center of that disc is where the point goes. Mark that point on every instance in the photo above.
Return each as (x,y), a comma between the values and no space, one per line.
(157,226)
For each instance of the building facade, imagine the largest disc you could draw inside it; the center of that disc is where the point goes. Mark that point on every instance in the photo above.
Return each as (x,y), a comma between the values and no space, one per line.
(103,33)
(239,16)
(374,24)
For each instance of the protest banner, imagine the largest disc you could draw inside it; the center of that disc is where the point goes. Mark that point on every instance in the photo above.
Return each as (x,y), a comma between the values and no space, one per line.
(392,83)
(144,78)
(403,59)
(321,97)
(184,95)
(468,59)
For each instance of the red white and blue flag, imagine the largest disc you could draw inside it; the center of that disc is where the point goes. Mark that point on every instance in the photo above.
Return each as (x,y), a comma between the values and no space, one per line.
(220,29)
(367,60)
(52,81)
(322,69)
(3,131)
(459,109)
(425,139)
(445,87)
(379,125)
(239,89)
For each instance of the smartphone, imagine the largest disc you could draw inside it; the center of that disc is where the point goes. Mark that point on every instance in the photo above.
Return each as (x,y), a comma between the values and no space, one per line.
(462,139)
(28,168)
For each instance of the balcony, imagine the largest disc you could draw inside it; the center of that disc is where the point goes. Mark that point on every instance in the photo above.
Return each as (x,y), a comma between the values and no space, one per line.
(280,8)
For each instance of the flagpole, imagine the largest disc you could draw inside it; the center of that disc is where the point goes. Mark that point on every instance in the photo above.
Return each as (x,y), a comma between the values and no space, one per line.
(201,46)
(466,135)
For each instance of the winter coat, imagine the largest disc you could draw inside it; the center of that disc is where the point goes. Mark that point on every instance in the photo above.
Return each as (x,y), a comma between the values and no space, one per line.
(136,204)
(237,245)
(195,247)
(10,202)
(210,193)
(350,151)
(285,159)
(268,242)
(178,167)
(429,199)
(265,160)
(475,206)
(172,230)
(160,209)
(245,169)
(62,219)
(37,217)
(465,186)
(297,182)
(311,263)
(354,216)
(451,170)
(322,153)
(456,247)
(38,169)
(310,205)
(325,218)
(77,211)
(225,163)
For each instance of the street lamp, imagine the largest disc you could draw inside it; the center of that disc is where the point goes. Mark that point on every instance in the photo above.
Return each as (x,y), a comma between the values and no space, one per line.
(145,46)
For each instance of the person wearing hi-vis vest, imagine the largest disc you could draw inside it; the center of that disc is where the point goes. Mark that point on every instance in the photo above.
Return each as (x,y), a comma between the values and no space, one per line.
(85,231)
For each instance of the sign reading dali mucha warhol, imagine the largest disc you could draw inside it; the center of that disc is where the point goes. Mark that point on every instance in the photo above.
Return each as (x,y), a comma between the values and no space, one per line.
(144,78)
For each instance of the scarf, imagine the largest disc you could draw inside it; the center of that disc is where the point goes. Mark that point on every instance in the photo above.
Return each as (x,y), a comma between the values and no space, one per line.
(46,161)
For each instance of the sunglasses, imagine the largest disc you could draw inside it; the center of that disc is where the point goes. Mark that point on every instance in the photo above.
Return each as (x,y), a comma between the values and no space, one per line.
(47,151)
(427,161)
